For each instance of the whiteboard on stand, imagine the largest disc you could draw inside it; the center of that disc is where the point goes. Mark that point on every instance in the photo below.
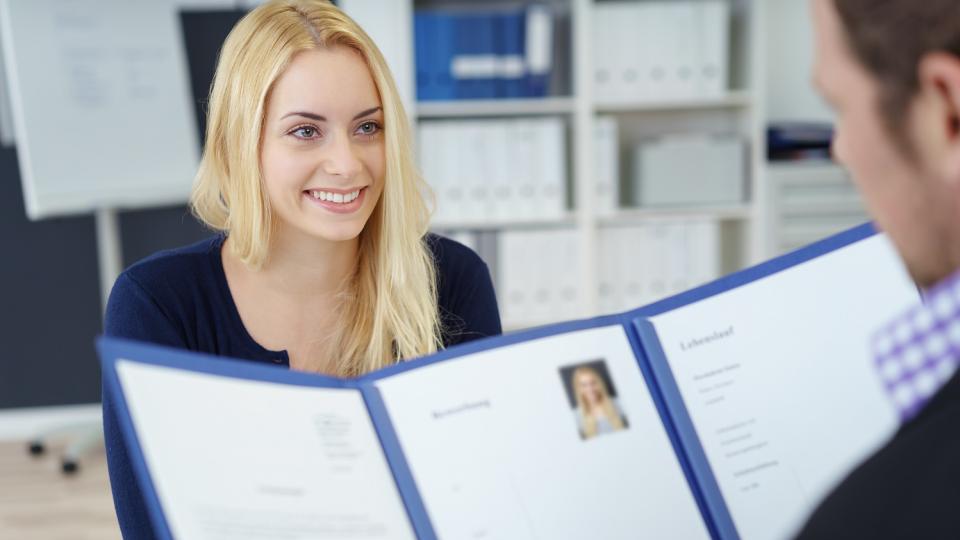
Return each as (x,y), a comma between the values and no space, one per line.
(101,104)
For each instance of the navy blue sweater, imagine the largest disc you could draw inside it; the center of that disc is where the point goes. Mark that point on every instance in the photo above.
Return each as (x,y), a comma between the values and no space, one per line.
(181,298)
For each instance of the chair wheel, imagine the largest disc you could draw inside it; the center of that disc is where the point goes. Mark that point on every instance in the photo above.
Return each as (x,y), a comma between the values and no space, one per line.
(36,448)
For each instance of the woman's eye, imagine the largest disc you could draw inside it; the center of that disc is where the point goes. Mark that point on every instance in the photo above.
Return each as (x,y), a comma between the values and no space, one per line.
(368,128)
(305,132)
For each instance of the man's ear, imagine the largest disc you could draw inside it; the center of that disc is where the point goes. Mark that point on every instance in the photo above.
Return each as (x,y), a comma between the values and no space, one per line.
(939,79)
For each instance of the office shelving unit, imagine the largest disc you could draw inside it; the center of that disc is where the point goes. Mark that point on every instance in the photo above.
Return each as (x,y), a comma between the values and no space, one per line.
(734,112)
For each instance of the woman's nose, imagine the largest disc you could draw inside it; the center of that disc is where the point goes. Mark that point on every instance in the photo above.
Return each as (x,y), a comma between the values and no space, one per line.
(341,159)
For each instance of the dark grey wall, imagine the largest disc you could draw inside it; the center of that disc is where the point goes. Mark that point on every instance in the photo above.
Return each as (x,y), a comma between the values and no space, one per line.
(49,304)
(49,293)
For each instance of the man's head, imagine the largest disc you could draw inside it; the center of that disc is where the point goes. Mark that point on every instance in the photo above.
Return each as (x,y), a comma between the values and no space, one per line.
(891,71)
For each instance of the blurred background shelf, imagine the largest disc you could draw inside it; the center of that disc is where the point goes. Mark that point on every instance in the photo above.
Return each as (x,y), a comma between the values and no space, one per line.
(732,100)
(709,94)
(494,107)
(719,213)
(568,220)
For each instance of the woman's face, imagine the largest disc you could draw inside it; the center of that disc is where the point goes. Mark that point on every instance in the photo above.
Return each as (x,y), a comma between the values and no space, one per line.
(322,153)
(589,388)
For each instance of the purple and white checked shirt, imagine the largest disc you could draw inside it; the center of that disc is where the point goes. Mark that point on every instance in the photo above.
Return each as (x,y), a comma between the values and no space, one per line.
(919,351)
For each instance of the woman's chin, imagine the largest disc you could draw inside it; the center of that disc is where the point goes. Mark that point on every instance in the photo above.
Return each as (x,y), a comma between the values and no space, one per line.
(341,233)
(338,229)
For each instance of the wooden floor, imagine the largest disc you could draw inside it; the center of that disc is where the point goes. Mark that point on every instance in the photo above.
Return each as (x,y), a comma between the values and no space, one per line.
(38,502)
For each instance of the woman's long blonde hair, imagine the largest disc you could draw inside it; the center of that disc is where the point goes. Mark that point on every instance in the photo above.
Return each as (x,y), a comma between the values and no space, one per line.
(389,311)
(587,414)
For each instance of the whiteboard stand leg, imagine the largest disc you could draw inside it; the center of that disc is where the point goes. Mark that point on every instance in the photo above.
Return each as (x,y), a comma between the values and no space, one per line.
(110,258)
(109,252)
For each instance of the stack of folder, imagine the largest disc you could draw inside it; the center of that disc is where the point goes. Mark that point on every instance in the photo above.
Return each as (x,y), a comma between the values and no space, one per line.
(660,50)
(528,294)
(640,264)
(665,175)
(483,54)
(606,164)
(495,171)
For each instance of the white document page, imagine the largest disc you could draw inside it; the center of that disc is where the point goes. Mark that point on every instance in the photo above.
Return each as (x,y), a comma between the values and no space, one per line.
(493,443)
(257,460)
(779,382)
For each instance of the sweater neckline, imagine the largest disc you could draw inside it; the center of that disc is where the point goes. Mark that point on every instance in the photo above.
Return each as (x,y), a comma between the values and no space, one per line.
(216,260)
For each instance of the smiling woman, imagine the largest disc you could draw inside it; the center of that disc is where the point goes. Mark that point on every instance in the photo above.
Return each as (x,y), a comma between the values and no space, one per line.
(322,261)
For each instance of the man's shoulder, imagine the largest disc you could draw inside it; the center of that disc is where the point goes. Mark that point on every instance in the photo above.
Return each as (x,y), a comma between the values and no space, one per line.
(910,488)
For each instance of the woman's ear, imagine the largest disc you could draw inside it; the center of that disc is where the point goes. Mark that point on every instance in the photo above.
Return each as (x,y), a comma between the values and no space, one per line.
(939,80)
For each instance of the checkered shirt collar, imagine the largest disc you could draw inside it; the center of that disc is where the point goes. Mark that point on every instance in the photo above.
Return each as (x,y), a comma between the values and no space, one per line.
(919,351)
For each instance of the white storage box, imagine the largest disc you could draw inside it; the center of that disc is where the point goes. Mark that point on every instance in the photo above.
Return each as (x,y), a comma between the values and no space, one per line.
(693,170)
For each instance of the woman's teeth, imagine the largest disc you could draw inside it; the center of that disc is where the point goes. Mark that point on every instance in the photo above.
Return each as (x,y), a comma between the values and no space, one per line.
(339,198)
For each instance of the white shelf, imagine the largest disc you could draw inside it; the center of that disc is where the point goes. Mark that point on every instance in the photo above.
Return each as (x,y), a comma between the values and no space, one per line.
(850,206)
(803,234)
(495,107)
(510,327)
(803,165)
(732,100)
(634,215)
(565,221)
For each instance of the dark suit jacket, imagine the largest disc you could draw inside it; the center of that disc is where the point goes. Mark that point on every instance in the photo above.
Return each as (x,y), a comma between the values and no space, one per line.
(909,489)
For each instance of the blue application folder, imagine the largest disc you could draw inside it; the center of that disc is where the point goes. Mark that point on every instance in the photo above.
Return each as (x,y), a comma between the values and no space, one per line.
(499,53)
(422,45)
(510,32)
(733,408)
(474,40)
(433,49)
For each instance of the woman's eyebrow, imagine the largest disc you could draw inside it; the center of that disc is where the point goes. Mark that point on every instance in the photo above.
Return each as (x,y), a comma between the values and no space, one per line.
(310,115)
(321,118)
(367,112)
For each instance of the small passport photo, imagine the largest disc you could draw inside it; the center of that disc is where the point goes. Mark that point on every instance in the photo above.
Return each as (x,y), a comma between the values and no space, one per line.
(593,399)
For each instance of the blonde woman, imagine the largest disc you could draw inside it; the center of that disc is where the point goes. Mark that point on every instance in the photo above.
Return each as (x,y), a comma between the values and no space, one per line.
(597,412)
(323,262)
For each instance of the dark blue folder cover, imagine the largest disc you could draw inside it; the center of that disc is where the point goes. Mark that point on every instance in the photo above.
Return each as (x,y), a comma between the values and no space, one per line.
(433,54)
(474,37)
(510,30)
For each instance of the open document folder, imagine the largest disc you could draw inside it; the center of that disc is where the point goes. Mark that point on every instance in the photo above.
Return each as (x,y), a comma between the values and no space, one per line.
(728,411)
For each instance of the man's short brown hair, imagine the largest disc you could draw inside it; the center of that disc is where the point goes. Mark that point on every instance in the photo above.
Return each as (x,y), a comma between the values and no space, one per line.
(890,37)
